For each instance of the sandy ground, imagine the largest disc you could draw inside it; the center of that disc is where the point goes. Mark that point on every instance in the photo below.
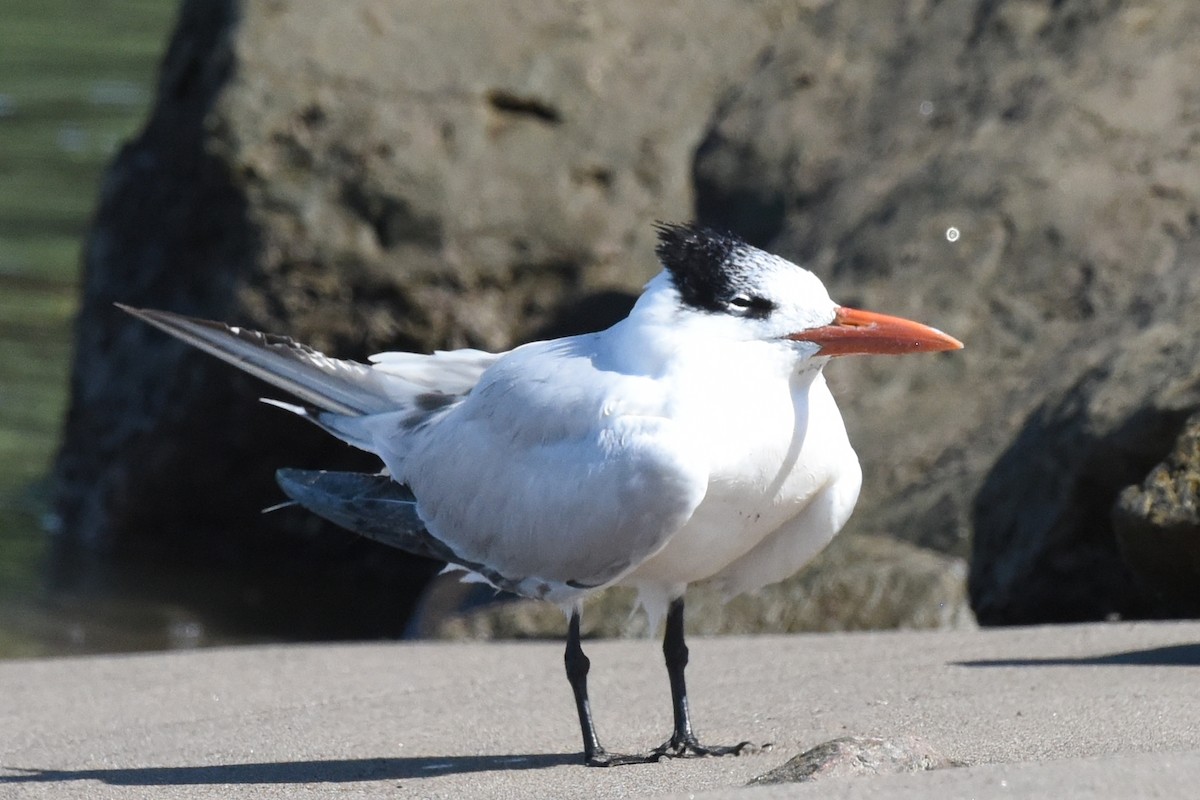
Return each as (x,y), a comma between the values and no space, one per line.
(1079,711)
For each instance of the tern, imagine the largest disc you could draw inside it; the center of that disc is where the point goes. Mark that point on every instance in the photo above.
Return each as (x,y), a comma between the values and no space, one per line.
(694,441)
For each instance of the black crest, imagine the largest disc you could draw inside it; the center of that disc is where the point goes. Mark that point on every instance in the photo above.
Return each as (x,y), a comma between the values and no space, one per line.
(704,264)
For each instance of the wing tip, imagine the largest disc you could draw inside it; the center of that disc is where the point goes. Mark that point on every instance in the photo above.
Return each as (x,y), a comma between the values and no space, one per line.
(140,313)
(291,479)
(178,325)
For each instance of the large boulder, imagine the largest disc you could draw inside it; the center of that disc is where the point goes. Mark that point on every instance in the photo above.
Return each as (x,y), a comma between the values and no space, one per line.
(1045,545)
(1025,175)
(361,176)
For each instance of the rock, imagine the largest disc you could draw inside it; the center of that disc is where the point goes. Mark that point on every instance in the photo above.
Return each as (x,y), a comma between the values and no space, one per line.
(1045,547)
(858,583)
(365,176)
(406,175)
(854,756)
(1158,525)
(1026,177)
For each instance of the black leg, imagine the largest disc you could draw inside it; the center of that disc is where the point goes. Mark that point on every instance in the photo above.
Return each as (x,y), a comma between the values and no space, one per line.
(675,653)
(682,743)
(578,665)
(683,740)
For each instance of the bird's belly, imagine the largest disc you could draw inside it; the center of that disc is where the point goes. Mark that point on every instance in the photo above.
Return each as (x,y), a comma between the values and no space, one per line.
(716,535)
(731,521)
(764,475)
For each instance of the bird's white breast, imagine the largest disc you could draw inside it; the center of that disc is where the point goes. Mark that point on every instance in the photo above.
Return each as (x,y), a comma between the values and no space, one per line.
(775,442)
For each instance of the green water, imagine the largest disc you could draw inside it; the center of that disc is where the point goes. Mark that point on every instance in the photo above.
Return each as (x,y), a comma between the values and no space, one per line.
(76,80)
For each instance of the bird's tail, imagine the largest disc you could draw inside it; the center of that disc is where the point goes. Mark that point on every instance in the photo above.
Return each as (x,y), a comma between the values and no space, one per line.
(339,386)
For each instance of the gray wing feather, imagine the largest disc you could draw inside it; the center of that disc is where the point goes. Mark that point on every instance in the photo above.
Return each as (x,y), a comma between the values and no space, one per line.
(446,371)
(374,506)
(344,387)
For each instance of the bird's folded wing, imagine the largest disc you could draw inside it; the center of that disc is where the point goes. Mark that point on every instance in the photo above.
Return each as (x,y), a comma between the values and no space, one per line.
(553,472)
(444,371)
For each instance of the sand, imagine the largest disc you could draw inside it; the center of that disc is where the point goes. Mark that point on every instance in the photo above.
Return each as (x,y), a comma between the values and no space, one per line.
(1067,711)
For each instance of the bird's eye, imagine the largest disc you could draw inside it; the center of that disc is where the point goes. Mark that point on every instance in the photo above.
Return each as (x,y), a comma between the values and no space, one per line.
(752,306)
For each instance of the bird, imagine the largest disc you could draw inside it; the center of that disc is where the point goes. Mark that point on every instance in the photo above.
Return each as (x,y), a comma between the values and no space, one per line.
(695,441)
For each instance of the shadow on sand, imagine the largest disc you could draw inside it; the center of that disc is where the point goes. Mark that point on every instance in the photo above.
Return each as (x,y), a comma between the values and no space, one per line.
(1176,655)
(334,771)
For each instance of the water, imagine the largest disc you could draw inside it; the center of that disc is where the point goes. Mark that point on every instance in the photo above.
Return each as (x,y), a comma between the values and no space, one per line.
(76,79)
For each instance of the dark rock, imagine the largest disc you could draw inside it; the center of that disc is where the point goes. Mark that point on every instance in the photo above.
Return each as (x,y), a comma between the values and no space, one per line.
(858,583)
(1054,140)
(361,177)
(853,756)
(1158,525)
(1045,548)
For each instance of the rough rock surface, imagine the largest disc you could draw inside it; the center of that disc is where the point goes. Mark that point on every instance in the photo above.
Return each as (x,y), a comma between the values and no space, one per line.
(1158,523)
(1045,546)
(1024,175)
(364,176)
(858,583)
(856,756)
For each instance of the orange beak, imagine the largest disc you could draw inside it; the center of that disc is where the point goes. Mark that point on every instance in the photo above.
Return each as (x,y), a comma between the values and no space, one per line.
(853,331)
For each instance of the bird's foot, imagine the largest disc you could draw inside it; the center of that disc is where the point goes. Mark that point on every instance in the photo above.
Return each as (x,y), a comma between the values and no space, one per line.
(675,747)
(603,758)
(687,747)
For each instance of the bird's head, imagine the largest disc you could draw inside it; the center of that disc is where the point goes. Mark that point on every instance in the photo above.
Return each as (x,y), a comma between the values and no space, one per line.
(747,293)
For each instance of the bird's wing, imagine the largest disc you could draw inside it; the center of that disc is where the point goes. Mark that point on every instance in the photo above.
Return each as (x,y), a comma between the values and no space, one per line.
(539,468)
(371,505)
(343,387)
(408,385)
(556,474)
(446,371)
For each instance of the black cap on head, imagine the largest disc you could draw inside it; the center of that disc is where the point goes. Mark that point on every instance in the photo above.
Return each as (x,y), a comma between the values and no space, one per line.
(704,264)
